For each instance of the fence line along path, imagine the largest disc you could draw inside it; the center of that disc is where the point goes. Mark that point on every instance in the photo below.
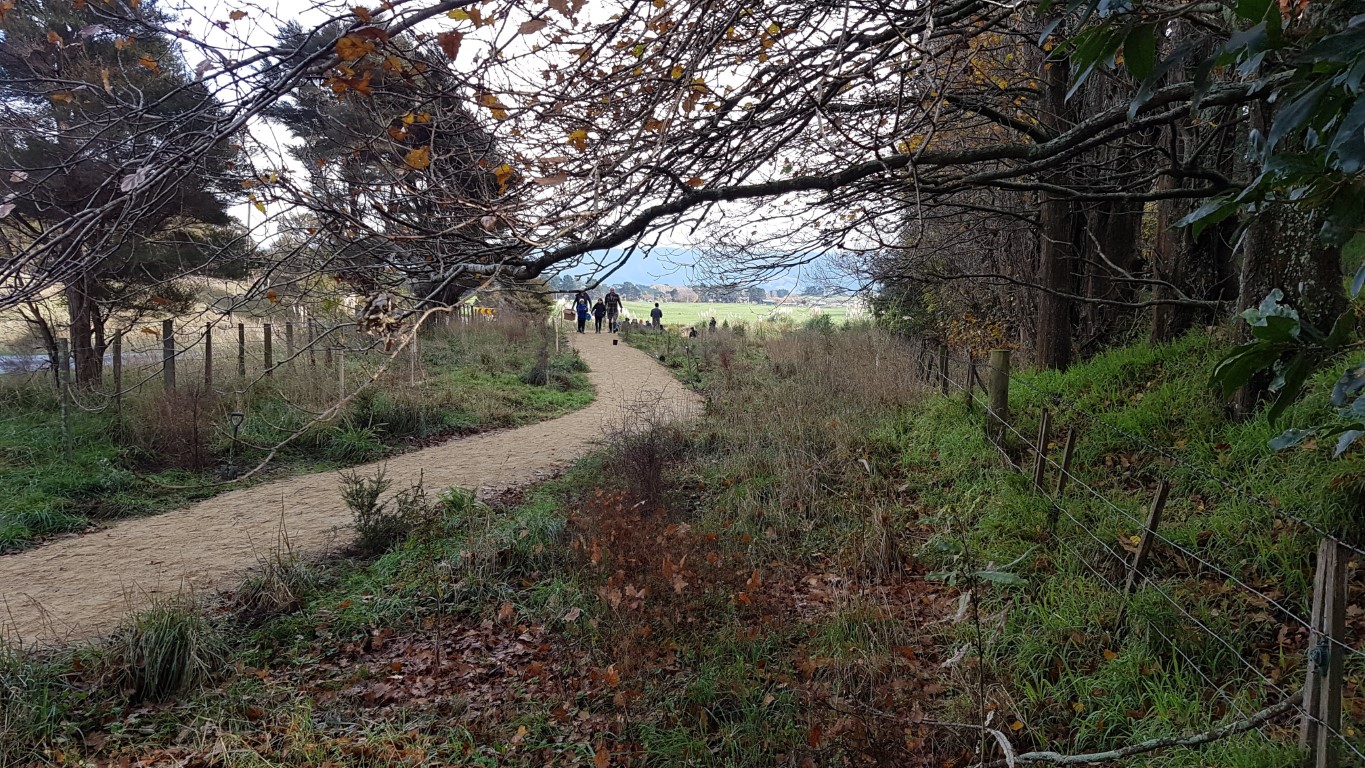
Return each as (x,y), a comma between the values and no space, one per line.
(82,587)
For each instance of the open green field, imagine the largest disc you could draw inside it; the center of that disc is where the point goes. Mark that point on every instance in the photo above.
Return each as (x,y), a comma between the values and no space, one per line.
(689,313)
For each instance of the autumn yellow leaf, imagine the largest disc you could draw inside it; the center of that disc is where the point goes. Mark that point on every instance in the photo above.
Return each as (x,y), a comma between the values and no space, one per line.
(418,159)
(273,297)
(695,181)
(237,15)
(1110,655)
(54,38)
(362,13)
(260,206)
(350,48)
(62,97)
(578,139)
(495,105)
(459,14)
(124,42)
(1016,726)
(104,77)
(676,72)
(150,63)
(503,173)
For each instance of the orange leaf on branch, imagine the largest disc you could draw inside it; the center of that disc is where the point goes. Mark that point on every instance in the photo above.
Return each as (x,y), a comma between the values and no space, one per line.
(450,43)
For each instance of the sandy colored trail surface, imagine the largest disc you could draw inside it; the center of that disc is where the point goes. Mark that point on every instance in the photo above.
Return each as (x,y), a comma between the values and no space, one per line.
(81,587)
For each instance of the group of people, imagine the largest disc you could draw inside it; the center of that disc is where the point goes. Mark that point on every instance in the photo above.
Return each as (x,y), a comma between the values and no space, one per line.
(607,308)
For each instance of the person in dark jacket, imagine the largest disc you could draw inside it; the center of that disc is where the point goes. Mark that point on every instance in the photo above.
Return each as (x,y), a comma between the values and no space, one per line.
(656,316)
(599,312)
(613,302)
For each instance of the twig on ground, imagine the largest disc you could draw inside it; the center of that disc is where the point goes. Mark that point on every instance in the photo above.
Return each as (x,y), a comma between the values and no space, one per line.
(1231,729)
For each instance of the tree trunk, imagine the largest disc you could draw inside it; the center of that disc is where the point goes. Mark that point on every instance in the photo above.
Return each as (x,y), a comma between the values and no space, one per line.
(1053,341)
(84,316)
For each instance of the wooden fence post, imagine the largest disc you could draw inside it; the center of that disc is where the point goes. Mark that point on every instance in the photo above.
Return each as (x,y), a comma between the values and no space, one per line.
(1144,545)
(412,359)
(168,354)
(208,355)
(1000,393)
(970,380)
(1040,454)
(64,383)
(943,369)
(1321,725)
(241,350)
(289,343)
(269,350)
(118,378)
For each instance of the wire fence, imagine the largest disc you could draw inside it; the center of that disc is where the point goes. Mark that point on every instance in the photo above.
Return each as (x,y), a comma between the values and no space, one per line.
(1316,635)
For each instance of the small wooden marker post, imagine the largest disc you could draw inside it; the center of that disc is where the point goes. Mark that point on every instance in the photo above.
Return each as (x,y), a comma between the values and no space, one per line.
(1000,393)
(168,354)
(970,381)
(241,350)
(1063,475)
(64,384)
(208,355)
(1040,452)
(118,378)
(1321,725)
(269,350)
(943,369)
(1144,545)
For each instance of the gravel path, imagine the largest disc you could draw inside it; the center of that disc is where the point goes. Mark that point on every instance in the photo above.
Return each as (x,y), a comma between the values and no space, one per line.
(76,588)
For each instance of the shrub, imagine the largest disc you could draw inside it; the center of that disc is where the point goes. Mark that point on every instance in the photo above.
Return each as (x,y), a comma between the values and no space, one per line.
(171,430)
(380,525)
(645,445)
(376,527)
(538,375)
(165,650)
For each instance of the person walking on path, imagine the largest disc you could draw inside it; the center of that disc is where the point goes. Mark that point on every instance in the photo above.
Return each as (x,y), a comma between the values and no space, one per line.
(599,311)
(613,302)
(656,316)
(582,305)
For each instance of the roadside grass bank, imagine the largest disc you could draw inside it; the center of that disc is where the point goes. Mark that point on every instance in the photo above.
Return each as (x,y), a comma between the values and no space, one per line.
(470,378)
(831,567)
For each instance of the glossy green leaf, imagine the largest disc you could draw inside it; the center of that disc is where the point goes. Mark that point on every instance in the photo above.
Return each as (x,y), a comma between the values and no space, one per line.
(1139,51)
(1290,438)
(1237,368)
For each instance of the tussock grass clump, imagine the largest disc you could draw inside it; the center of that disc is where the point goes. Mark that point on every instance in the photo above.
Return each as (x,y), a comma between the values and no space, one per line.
(165,650)
(281,582)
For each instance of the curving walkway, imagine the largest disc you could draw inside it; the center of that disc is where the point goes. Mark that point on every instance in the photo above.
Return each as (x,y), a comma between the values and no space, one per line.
(81,587)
